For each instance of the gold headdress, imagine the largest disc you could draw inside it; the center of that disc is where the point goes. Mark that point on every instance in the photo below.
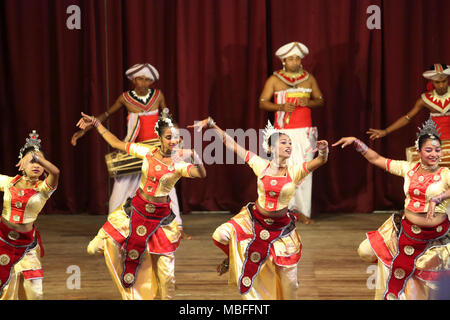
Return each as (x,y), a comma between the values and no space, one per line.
(31,142)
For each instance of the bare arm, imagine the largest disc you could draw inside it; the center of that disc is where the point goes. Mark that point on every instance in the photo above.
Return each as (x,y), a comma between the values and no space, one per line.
(109,137)
(435,201)
(316,100)
(50,168)
(321,158)
(162,101)
(370,155)
(228,141)
(198,170)
(53,171)
(266,95)
(102,117)
(399,123)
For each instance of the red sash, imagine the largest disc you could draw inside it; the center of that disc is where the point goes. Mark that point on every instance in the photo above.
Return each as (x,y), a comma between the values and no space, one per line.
(13,246)
(412,243)
(266,230)
(145,219)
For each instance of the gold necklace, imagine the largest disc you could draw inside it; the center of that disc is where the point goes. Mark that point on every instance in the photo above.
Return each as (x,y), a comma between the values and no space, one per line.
(164,155)
(429,168)
(31,180)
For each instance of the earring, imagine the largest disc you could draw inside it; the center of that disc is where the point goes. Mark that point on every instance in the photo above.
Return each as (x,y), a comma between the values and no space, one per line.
(284,66)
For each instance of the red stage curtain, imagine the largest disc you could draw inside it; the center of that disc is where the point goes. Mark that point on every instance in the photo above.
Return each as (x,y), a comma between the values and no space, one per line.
(213,58)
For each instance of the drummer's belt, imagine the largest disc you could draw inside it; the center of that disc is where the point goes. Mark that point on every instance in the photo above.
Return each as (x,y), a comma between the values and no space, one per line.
(413,241)
(13,246)
(145,218)
(266,230)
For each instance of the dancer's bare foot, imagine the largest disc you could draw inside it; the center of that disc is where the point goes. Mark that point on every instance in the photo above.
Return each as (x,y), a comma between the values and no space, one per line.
(304,219)
(223,266)
(185,236)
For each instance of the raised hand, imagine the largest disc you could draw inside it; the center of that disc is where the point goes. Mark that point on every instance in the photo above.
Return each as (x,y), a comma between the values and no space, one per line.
(345,141)
(77,135)
(205,123)
(86,121)
(322,145)
(376,133)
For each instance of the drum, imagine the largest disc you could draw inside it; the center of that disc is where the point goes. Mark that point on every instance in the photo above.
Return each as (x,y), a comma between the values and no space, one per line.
(120,163)
(412,155)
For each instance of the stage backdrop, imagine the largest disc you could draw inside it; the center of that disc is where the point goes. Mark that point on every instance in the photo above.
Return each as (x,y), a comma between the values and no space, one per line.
(61,57)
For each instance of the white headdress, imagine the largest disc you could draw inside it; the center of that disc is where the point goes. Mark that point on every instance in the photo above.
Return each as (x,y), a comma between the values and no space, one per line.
(165,116)
(290,49)
(267,133)
(437,72)
(429,128)
(31,142)
(142,69)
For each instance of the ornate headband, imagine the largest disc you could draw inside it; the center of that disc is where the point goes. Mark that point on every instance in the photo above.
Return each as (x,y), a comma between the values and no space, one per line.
(267,133)
(429,128)
(165,116)
(31,142)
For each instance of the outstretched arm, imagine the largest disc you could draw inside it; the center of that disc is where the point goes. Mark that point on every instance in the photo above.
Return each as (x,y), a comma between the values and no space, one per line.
(101,117)
(228,141)
(321,158)
(189,155)
(371,156)
(399,123)
(109,137)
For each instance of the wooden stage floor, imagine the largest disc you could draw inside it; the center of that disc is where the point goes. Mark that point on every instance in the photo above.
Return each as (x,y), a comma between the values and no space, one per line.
(330,268)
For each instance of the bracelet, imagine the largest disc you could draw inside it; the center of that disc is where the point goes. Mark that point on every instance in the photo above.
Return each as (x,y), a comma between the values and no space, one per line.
(437,200)
(95,122)
(324,153)
(360,146)
(103,132)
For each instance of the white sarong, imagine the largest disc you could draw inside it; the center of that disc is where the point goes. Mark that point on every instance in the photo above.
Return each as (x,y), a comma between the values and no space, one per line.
(303,149)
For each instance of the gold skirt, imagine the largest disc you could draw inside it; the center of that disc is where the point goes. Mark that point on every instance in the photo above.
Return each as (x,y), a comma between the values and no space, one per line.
(156,276)
(381,246)
(277,277)
(26,278)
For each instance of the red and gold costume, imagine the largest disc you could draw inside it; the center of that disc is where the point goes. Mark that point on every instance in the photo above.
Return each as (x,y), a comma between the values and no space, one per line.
(298,125)
(20,251)
(411,258)
(264,250)
(140,237)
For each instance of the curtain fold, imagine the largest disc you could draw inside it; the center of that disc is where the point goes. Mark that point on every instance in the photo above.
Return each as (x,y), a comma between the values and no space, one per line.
(213,58)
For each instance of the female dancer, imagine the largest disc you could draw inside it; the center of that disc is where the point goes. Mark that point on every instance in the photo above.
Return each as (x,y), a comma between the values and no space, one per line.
(412,248)
(140,237)
(24,197)
(261,242)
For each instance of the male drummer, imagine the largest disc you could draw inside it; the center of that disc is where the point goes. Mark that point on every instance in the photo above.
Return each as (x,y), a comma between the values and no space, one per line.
(295,92)
(436,100)
(143,104)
